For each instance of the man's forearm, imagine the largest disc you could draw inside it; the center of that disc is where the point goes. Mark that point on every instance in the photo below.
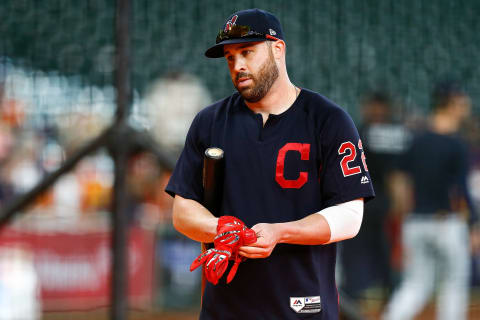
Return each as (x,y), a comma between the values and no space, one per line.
(311,230)
(194,220)
(332,224)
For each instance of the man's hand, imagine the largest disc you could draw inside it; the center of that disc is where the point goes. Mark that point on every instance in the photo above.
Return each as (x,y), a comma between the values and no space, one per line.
(267,238)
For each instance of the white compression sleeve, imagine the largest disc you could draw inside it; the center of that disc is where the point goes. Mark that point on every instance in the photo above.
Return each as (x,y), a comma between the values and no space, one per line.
(344,219)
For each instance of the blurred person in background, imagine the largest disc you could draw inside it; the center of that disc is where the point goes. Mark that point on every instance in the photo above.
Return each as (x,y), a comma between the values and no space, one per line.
(384,141)
(144,182)
(95,182)
(472,134)
(11,110)
(170,112)
(24,168)
(6,142)
(436,232)
(471,131)
(19,284)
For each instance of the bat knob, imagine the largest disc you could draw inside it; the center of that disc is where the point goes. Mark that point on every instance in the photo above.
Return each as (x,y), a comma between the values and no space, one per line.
(214,153)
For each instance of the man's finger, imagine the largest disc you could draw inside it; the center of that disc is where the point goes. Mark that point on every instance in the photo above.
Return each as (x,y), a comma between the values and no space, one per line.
(256,244)
(254,255)
(251,250)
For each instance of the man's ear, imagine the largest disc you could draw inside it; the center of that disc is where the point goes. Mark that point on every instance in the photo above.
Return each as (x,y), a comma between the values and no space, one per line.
(278,49)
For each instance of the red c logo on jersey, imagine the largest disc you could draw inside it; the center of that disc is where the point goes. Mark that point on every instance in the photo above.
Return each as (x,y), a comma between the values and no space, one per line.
(304,149)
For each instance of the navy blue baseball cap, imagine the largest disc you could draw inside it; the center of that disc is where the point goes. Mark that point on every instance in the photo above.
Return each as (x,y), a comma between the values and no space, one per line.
(246,26)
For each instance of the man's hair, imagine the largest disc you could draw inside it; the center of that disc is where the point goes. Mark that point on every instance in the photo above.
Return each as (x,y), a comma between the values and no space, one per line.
(270,48)
(444,91)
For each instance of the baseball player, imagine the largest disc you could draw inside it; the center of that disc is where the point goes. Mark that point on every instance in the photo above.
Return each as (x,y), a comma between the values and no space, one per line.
(435,234)
(295,178)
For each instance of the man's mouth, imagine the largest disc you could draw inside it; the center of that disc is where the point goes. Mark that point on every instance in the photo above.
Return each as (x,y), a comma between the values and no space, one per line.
(243,81)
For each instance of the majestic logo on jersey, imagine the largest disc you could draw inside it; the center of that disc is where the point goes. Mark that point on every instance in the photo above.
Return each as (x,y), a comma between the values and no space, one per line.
(306,304)
(230,23)
(304,150)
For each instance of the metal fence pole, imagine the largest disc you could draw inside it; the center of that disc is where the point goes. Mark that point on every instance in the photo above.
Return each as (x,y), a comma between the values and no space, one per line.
(120,233)
(122,59)
(120,149)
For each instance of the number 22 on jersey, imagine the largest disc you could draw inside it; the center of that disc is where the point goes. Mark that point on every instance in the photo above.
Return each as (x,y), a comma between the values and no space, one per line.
(350,153)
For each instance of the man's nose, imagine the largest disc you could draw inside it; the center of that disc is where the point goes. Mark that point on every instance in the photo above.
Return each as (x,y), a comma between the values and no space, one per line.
(239,64)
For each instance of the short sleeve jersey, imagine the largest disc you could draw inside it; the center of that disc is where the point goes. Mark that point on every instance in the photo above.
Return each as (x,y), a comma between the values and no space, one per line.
(440,183)
(299,162)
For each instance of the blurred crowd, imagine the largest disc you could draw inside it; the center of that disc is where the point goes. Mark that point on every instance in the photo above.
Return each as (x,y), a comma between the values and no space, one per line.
(374,261)
(35,142)
(38,132)
(29,151)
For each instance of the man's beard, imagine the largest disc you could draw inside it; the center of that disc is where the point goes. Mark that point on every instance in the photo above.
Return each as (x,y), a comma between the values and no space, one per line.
(262,81)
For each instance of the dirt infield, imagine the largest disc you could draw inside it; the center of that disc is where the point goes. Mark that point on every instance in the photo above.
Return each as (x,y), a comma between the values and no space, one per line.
(134,315)
(371,311)
(427,314)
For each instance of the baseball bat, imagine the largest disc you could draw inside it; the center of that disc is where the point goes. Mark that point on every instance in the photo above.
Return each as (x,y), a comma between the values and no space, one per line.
(213,176)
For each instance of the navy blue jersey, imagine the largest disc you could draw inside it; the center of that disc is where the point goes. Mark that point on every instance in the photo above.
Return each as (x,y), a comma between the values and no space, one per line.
(439,181)
(308,158)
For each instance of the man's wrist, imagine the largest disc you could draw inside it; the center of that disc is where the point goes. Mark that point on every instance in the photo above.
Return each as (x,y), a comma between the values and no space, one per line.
(211,229)
(282,232)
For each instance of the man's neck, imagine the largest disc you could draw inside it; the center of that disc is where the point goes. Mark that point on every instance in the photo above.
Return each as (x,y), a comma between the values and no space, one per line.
(279,98)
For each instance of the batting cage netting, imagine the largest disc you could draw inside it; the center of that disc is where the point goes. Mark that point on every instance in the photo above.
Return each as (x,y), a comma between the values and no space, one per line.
(58,101)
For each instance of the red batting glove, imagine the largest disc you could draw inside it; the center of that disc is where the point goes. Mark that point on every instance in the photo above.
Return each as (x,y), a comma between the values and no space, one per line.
(231,235)
(216,262)
(249,237)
